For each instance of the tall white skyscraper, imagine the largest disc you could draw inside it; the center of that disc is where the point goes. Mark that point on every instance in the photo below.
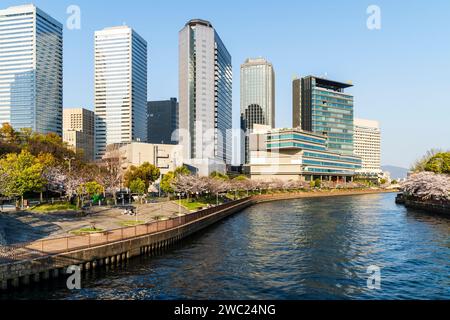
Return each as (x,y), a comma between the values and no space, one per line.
(120,87)
(367,140)
(205,84)
(31,69)
(257,98)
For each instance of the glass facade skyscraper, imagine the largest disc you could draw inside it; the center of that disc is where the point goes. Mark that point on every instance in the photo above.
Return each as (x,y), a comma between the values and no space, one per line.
(120,88)
(163,121)
(31,69)
(321,106)
(257,99)
(205,95)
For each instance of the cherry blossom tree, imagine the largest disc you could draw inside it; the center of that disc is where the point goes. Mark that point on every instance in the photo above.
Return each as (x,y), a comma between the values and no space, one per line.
(427,186)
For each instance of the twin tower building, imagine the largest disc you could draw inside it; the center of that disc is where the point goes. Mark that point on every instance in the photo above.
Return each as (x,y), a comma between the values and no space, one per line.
(31,90)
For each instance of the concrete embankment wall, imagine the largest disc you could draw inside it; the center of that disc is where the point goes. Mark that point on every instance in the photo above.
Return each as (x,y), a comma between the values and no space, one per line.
(428,206)
(24,272)
(319,194)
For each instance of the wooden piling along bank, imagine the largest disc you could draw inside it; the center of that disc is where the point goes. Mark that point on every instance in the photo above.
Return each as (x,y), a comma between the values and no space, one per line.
(42,260)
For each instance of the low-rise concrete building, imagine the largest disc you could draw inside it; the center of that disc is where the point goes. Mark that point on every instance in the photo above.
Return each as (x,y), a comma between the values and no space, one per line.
(291,154)
(166,157)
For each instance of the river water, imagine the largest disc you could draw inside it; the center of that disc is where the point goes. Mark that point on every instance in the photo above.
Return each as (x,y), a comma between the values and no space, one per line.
(316,248)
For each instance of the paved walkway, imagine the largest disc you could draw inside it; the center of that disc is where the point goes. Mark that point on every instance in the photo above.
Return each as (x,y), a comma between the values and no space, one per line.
(19,227)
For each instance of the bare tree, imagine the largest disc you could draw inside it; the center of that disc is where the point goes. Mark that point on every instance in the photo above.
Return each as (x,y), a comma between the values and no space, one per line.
(112,172)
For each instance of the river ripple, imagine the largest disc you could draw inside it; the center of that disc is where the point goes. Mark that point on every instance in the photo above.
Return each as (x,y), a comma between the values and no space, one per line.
(297,249)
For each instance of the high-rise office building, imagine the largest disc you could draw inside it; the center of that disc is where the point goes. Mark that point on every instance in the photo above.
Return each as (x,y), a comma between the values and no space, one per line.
(321,106)
(31,69)
(163,121)
(205,84)
(257,99)
(367,139)
(78,131)
(120,88)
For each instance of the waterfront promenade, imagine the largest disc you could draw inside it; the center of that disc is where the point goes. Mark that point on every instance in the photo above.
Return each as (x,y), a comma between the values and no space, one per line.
(21,261)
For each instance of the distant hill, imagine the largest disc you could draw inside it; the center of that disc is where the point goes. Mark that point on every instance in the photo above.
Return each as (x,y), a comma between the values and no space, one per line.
(396,172)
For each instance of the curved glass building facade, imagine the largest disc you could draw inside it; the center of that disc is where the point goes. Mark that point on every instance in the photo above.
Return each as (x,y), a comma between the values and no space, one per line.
(205,94)
(257,98)
(293,153)
(31,69)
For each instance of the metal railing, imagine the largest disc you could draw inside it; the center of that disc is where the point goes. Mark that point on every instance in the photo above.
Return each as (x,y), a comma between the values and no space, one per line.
(47,247)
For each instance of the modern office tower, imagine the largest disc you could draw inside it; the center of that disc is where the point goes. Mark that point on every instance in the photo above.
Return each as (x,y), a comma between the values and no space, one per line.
(120,87)
(78,131)
(31,69)
(162,121)
(367,138)
(321,106)
(257,98)
(205,84)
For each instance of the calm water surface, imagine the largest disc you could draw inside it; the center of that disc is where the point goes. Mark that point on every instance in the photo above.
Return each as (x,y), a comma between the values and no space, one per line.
(296,249)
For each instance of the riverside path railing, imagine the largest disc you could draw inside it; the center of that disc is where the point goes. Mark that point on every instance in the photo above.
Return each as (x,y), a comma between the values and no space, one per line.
(47,247)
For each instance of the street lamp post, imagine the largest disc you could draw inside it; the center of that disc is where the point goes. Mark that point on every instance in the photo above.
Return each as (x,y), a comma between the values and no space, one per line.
(70,163)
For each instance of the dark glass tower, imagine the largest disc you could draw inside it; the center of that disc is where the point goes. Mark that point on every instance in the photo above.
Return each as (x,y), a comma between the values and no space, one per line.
(162,121)
(321,106)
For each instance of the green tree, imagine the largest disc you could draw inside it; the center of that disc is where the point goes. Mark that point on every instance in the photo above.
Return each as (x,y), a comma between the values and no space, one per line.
(219,175)
(317,183)
(183,170)
(23,172)
(169,178)
(90,189)
(93,188)
(420,164)
(439,163)
(166,182)
(137,186)
(8,134)
(146,172)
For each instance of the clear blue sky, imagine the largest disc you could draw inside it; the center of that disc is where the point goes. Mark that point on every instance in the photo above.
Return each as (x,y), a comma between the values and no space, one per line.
(401,73)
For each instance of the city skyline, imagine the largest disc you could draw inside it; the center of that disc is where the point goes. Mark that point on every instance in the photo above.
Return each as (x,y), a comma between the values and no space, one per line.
(377,61)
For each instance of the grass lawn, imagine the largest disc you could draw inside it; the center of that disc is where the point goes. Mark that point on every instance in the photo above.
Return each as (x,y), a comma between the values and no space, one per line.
(195,204)
(130,223)
(82,231)
(48,207)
